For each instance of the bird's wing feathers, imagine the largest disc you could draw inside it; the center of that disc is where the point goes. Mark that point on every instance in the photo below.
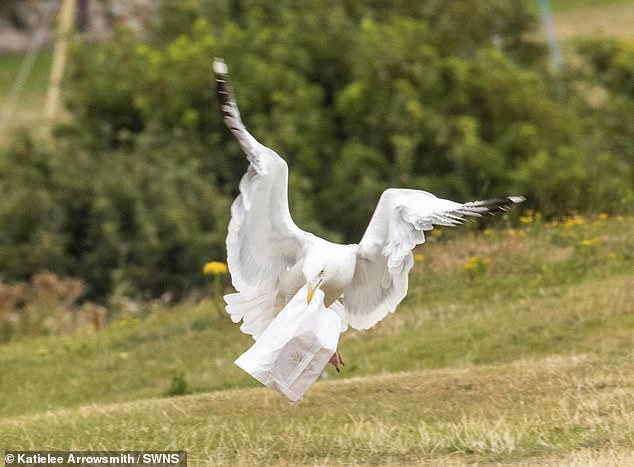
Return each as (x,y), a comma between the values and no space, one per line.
(263,241)
(385,258)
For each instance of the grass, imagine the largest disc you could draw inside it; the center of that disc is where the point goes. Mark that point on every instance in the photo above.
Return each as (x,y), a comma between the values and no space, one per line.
(569,5)
(37,81)
(529,360)
(527,410)
(590,18)
(29,107)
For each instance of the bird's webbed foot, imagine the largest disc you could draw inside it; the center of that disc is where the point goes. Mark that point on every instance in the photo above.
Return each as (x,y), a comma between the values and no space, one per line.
(336,361)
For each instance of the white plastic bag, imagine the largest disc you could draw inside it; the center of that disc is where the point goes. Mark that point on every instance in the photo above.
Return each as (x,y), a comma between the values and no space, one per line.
(295,348)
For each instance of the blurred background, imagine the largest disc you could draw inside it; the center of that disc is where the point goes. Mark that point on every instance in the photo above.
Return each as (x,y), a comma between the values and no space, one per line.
(117,175)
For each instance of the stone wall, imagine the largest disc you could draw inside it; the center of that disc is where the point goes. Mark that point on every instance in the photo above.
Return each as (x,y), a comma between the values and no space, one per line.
(20,19)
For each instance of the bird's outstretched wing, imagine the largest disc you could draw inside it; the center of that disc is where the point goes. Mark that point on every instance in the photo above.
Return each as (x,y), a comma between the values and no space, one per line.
(398,224)
(263,241)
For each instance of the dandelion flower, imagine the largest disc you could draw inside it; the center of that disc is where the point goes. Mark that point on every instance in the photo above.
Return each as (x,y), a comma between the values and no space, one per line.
(602,216)
(487,232)
(419,258)
(476,264)
(526,219)
(575,220)
(215,268)
(590,242)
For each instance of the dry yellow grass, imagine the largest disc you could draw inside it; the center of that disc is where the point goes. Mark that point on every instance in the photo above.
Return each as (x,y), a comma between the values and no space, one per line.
(610,457)
(572,410)
(608,20)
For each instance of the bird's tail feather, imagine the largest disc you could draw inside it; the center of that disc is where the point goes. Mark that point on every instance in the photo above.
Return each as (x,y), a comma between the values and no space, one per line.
(256,313)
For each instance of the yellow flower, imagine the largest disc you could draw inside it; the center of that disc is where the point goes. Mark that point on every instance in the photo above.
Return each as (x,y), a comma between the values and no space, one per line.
(521,233)
(575,220)
(512,232)
(526,219)
(476,264)
(590,242)
(602,216)
(215,267)
(436,233)
(419,258)
(620,218)
(487,232)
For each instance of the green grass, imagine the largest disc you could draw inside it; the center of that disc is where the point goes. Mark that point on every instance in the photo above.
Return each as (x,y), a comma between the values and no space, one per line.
(531,409)
(30,104)
(582,19)
(569,5)
(529,360)
(37,81)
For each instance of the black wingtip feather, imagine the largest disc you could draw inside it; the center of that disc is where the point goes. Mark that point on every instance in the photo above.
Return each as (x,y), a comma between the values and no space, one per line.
(225,93)
(498,205)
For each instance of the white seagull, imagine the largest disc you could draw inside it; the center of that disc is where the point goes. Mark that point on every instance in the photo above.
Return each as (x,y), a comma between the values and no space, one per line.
(271,259)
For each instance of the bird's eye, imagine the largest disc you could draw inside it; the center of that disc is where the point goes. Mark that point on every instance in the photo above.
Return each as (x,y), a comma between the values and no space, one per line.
(321,273)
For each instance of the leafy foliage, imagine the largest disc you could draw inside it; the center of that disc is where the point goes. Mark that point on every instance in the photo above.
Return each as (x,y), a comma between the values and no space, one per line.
(133,196)
(123,222)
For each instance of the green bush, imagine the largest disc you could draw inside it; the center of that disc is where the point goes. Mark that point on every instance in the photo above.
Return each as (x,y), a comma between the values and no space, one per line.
(128,222)
(609,72)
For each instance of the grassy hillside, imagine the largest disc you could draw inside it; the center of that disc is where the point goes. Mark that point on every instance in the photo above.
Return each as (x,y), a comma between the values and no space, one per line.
(554,411)
(568,5)
(36,82)
(30,104)
(581,19)
(526,357)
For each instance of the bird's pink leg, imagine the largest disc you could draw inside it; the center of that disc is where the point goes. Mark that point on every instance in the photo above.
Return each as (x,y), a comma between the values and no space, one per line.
(336,360)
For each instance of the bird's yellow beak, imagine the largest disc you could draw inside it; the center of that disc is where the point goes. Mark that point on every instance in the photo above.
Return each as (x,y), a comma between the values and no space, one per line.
(311,291)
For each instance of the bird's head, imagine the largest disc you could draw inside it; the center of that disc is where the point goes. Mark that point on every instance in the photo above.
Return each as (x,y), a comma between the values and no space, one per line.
(317,272)
(330,268)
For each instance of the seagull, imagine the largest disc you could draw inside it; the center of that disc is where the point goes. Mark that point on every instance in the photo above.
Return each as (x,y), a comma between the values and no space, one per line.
(270,258)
